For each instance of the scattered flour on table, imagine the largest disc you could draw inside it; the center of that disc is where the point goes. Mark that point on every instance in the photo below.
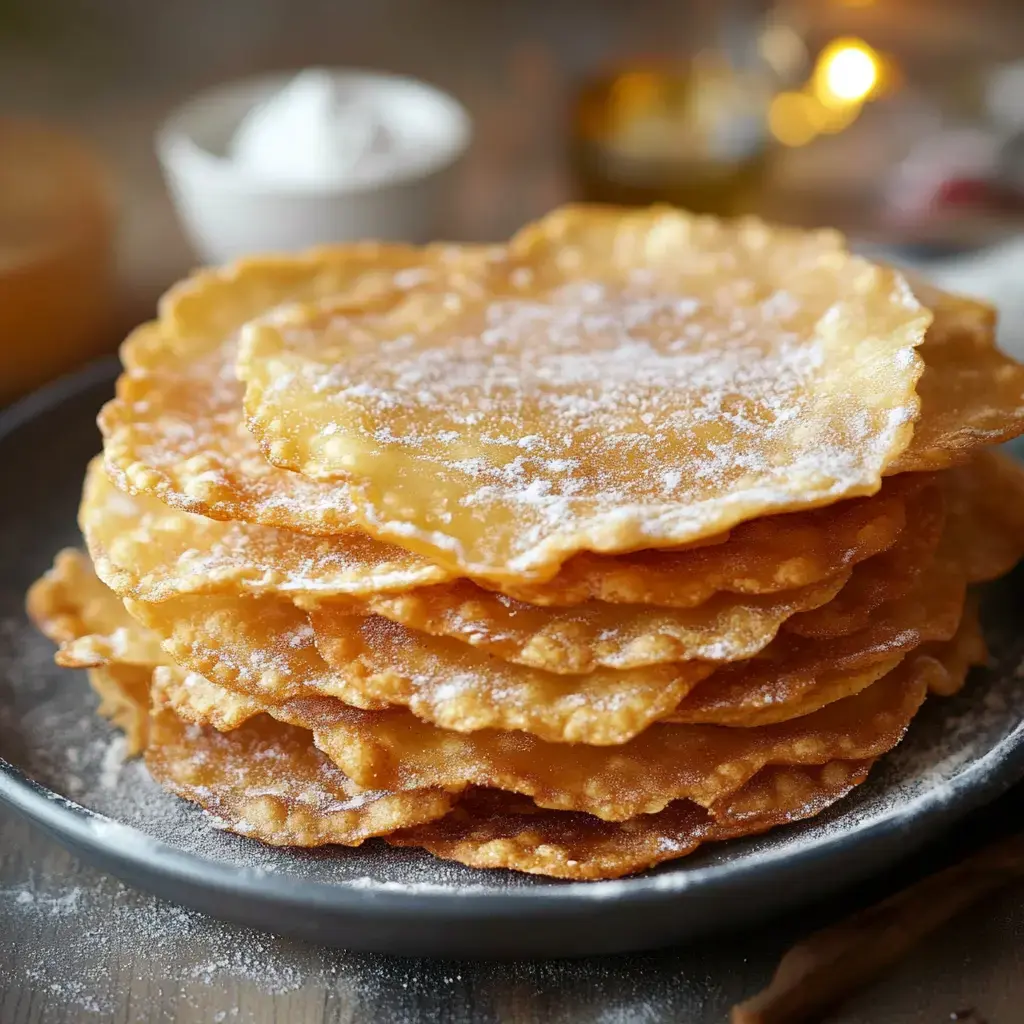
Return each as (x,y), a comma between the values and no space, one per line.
(180,946)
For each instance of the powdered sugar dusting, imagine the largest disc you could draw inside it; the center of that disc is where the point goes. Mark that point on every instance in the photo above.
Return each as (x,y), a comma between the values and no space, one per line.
(629,375)
(111,763)
(651,399)
(183,437)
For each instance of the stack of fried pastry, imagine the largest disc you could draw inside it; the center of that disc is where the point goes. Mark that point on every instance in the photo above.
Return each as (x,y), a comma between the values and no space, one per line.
(566,555)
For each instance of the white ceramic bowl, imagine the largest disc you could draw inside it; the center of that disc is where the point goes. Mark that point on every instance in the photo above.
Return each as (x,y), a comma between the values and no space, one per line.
(228,211)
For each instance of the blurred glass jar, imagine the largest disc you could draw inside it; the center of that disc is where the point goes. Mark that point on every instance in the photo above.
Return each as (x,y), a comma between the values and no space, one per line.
(57,282)
(689,131)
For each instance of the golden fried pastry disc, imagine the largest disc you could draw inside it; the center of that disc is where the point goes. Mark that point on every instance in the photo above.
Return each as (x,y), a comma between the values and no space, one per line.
(258,646)
(955,659)
(71,607)
(265,648)
(986,515)
(500,829)
(491,829)
(766,694)
(266,780)
(124,700)
(176,429)
(167,553)
(197,700)
(622,380)
(145,549)
(885,577)
(488,828)
(726,627)
(763,556)
(307,801)
(795,675)
(982,510)
(971,393)
(75,610)
(222,773)
(268,648)
(395,750)
(151,551)
(587,637)
(782,793)
(452,685)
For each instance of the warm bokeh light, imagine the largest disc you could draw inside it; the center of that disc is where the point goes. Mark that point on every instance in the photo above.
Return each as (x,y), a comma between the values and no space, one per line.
(792,118)
(848,71)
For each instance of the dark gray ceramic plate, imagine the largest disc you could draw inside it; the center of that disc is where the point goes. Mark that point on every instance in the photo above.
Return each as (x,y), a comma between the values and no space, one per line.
(61,767)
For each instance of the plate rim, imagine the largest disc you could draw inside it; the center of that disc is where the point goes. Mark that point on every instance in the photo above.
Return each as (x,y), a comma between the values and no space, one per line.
(980,781)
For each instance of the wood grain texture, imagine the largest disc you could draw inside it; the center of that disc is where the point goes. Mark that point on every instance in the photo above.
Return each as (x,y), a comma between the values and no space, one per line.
(78,946)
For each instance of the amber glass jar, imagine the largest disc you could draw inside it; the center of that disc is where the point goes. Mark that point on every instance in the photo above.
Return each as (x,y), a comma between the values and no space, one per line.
(692,133)
(687,126)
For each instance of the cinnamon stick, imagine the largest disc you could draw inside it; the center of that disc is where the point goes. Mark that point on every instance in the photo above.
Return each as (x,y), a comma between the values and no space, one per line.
(833,963)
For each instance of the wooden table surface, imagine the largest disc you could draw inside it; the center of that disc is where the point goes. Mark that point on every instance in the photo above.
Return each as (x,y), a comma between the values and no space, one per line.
(76,946)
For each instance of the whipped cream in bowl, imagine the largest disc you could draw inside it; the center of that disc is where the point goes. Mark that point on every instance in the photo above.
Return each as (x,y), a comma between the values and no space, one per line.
(284,162)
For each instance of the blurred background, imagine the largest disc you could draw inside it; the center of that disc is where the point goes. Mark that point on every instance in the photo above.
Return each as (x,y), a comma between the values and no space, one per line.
(899,121)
